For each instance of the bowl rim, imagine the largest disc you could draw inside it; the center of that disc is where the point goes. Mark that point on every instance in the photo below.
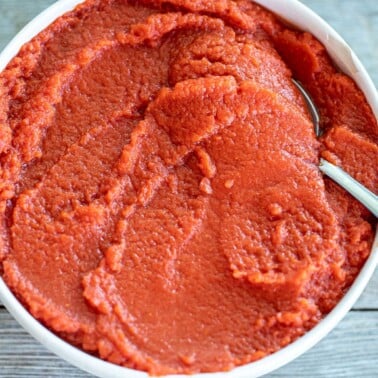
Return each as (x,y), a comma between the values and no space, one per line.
(305,19)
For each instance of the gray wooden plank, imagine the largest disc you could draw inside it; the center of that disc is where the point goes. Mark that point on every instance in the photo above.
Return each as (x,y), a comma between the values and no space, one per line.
(16,14)
(369,298)
(351,350)
(354,341)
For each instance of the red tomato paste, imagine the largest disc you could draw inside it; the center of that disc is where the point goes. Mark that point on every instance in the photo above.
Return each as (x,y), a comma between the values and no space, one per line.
(161,203)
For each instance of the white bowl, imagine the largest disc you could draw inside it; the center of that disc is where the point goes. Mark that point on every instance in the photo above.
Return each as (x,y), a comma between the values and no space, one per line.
(302,17)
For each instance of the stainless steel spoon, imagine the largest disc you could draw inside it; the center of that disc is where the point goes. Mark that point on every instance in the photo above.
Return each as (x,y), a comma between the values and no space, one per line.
(355,188)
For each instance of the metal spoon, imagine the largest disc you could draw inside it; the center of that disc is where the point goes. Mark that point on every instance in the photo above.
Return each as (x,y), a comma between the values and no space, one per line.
(355,188)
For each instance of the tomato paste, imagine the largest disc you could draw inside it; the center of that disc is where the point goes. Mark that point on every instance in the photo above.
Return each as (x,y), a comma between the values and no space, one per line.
(161,202)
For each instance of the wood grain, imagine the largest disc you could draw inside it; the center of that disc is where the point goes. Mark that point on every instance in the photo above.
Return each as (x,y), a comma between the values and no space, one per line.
(369,298)
(351,350)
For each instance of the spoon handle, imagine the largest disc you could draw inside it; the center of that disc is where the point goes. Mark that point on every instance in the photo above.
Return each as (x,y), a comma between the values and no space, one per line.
(356,189)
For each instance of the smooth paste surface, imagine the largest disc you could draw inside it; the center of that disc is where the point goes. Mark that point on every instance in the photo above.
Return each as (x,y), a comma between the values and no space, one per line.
(160,198)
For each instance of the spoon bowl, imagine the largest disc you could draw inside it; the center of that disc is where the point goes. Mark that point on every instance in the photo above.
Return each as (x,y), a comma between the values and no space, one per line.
(352,186)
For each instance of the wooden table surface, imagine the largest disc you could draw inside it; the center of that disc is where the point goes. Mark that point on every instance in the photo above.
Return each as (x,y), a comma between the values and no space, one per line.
(351,350)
